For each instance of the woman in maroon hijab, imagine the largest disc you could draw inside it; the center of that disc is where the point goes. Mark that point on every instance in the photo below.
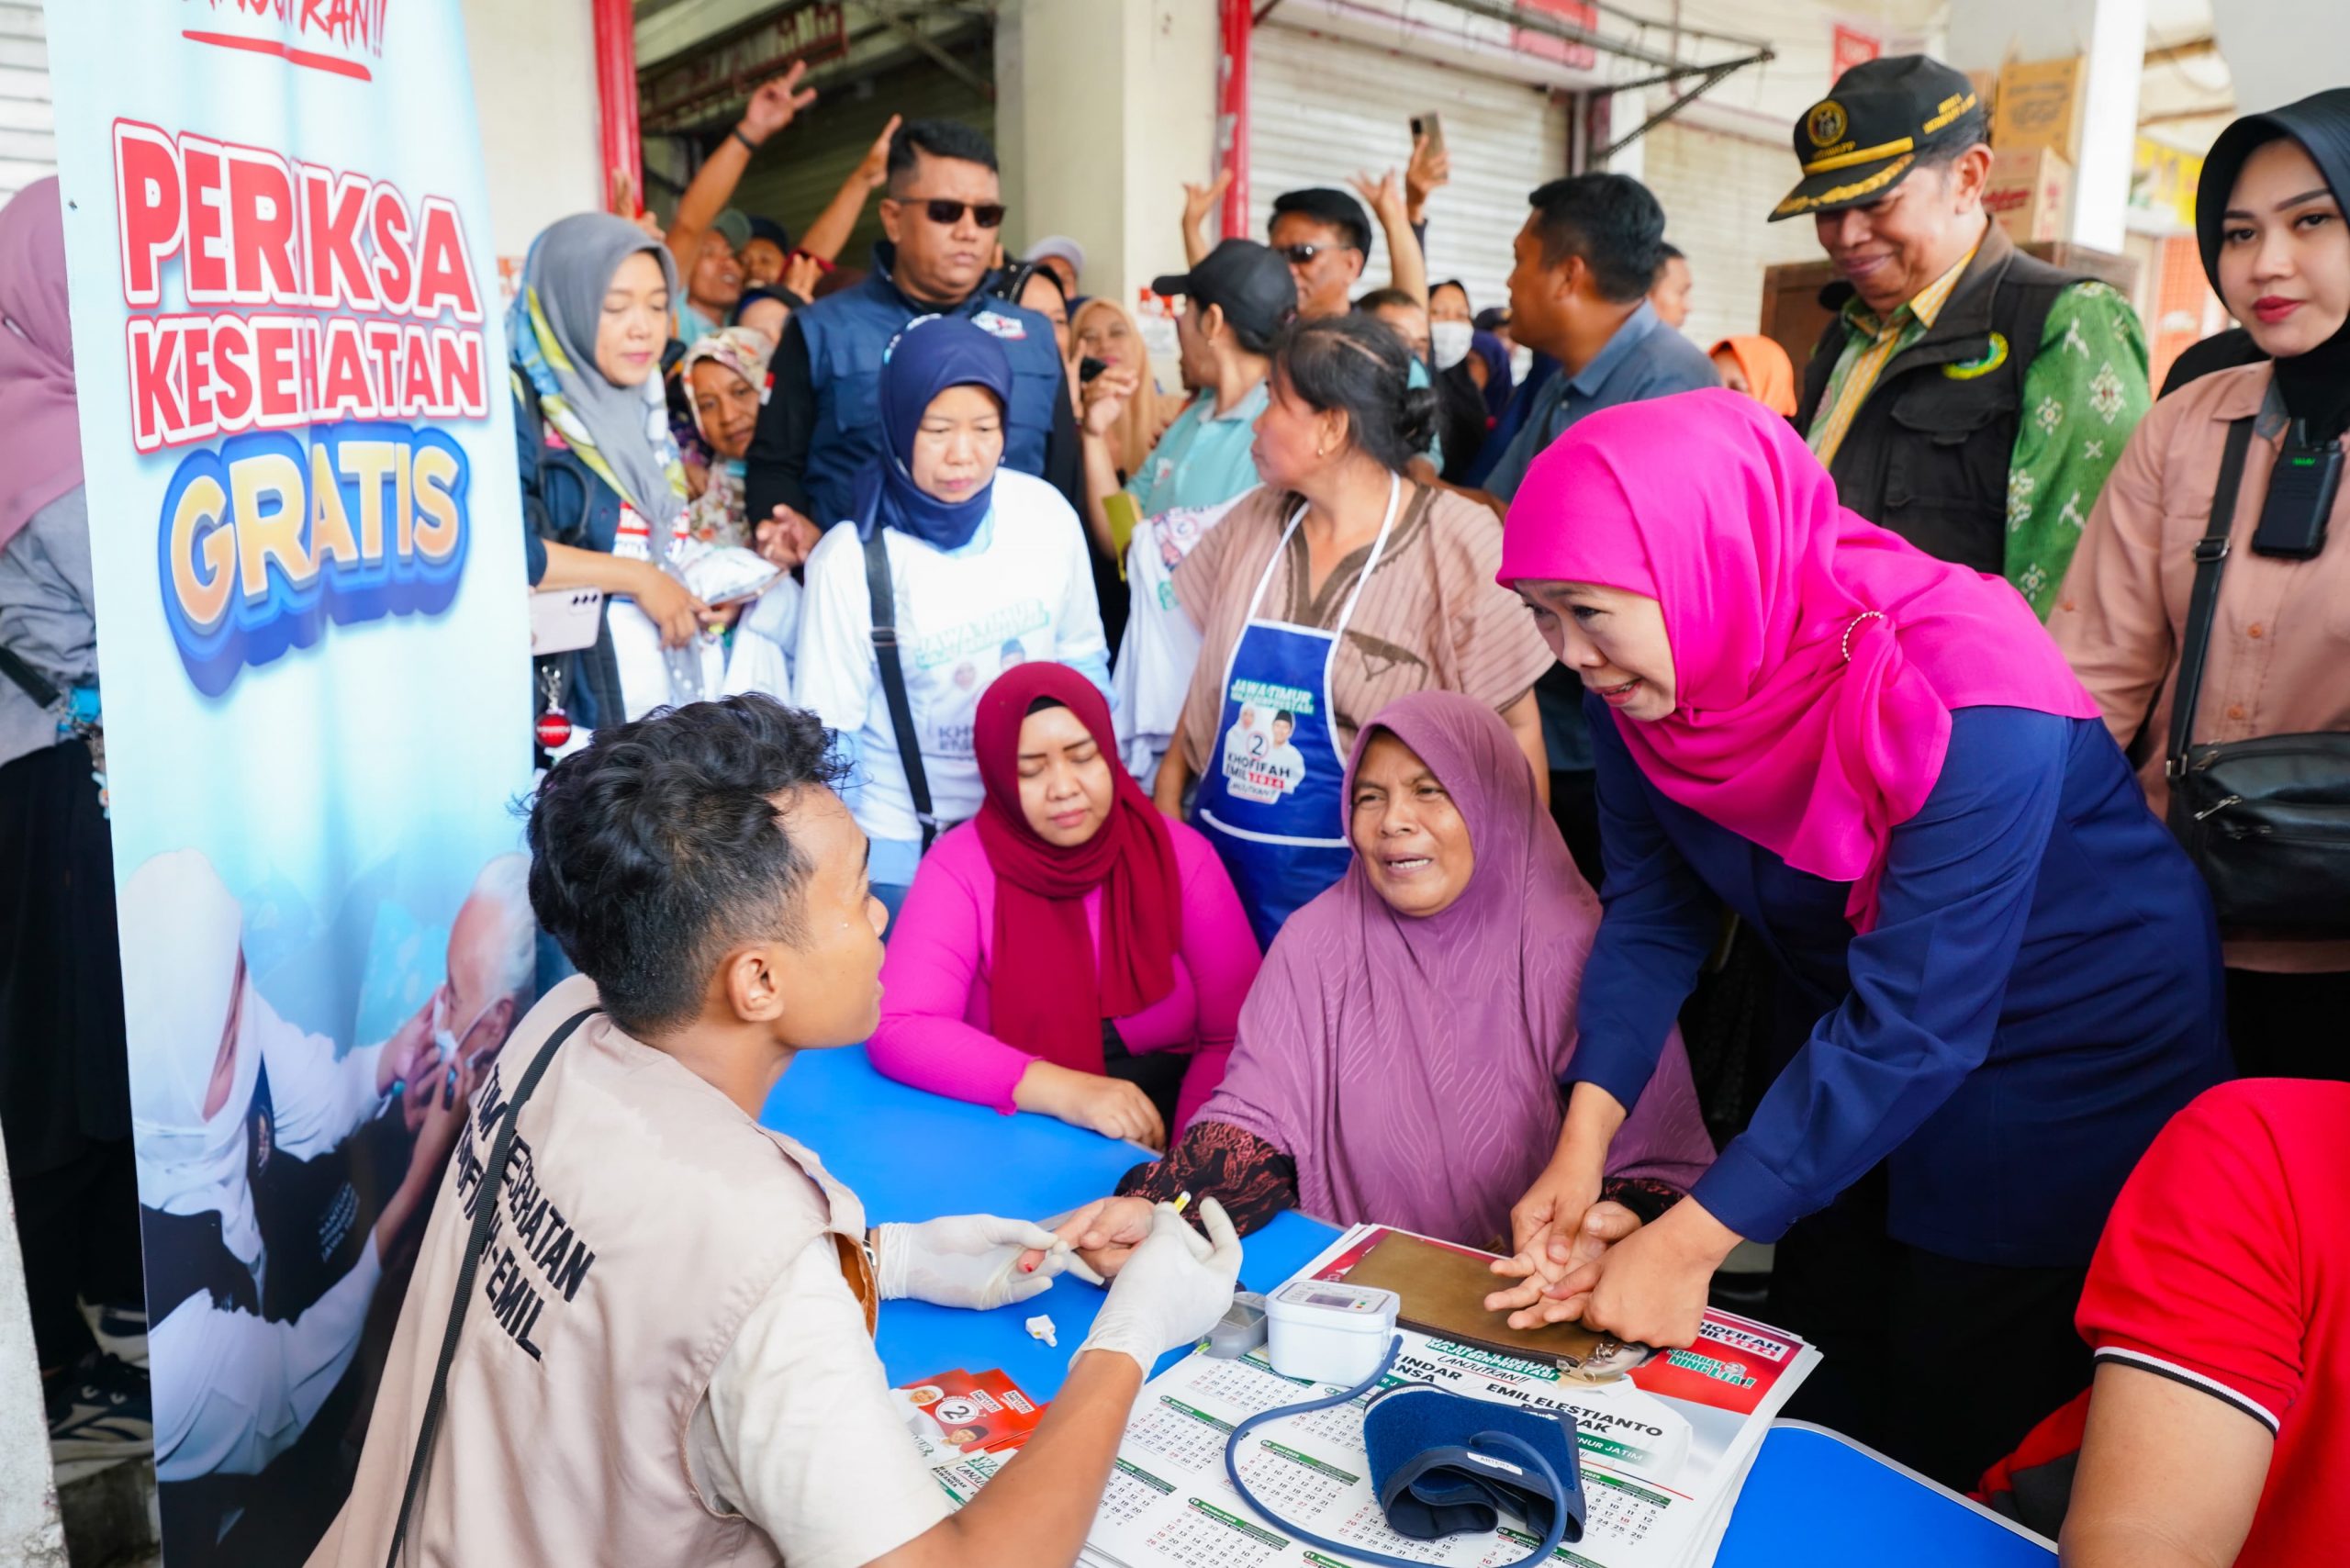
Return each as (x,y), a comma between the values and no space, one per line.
(1068,950)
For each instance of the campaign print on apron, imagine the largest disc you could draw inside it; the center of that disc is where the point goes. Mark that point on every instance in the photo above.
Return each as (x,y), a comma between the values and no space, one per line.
(1272,800)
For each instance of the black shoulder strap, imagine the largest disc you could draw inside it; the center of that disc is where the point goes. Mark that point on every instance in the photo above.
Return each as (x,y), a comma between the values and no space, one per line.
(485,1215)
(893,680)
(2210,553)
(35,685)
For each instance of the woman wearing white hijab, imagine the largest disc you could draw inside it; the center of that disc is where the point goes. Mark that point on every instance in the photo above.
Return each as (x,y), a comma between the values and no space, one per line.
(233,1385)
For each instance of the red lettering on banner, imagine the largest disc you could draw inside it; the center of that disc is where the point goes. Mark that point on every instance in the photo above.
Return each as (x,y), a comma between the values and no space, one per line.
(418,394)
(233,395)
(388,226)
(195,356)
(260,227)
(332,209)
(155,406)
(206,257)
(384,351)
(276,355)
(457,369)
(446,272)
(147,209)
(339,255)
(342,376)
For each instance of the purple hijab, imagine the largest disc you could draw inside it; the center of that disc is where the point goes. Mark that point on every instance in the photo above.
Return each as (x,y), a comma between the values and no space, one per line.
(40,438)
(1411,1065)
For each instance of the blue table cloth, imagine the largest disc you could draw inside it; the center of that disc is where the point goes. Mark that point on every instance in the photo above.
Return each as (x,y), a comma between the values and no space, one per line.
(1814,1498)
(911,1155)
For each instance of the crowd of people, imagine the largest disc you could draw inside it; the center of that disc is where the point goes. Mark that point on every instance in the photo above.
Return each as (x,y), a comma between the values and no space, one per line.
(1337,775)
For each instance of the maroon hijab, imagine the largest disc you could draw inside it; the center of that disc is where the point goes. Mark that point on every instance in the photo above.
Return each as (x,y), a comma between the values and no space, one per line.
(1049,993)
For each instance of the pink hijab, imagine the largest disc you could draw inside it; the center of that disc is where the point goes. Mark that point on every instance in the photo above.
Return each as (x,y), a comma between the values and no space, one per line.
(1410,1065)
(40,439)
(1817,656)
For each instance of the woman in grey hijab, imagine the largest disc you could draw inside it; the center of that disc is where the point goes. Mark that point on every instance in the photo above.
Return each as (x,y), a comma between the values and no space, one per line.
(602,486)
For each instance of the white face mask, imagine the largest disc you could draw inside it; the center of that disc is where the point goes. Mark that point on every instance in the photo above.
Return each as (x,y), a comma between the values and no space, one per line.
(1448,342)
(446,1039)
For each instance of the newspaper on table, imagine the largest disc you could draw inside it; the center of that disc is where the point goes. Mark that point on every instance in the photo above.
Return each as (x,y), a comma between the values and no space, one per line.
(1664,1449)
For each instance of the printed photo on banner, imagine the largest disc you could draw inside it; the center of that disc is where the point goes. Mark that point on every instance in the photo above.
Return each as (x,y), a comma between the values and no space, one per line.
(291,379)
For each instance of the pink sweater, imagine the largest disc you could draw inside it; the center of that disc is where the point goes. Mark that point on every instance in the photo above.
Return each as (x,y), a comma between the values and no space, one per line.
(935,1001)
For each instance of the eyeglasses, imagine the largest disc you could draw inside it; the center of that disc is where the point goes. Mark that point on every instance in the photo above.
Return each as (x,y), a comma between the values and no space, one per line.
(946,214)
(1298,255)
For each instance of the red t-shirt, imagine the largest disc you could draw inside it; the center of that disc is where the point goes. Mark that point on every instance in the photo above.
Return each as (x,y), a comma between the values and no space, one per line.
(2226,1266)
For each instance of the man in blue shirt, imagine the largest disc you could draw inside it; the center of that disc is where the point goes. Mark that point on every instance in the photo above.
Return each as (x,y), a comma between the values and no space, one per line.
(1579,293)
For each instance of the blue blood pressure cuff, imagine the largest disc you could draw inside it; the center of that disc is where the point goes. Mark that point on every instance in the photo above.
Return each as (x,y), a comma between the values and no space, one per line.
(1444,1464)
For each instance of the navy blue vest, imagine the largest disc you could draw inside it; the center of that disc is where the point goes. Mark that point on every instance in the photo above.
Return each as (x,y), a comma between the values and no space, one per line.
(846,335)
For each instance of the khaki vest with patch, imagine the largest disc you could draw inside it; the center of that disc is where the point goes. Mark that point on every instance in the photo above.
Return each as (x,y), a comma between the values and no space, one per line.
(643,1216)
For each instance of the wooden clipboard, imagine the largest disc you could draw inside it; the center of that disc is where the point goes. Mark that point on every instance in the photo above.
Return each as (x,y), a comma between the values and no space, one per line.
(1444,1292)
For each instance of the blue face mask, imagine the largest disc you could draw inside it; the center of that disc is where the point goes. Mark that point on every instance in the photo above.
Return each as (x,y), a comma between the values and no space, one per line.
(1443,1463)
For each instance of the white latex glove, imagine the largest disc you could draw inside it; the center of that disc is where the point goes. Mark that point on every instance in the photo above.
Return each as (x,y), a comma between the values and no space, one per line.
(966,1260)
(1172,1289)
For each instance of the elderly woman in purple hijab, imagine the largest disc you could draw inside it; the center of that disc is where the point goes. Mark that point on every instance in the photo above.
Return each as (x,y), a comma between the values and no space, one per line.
(1398,1059)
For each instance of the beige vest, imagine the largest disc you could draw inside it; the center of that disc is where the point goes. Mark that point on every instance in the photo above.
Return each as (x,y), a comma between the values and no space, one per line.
(643,1216)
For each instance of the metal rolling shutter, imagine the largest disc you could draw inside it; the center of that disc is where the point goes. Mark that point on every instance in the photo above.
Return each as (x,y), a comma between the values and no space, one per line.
(1321,109)
(27,127)
(1717,190)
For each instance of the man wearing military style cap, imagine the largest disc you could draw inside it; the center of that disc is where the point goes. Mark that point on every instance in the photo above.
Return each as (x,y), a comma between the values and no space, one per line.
(1968,396)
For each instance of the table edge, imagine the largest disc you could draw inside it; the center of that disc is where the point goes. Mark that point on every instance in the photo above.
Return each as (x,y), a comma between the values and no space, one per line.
(1926,1481)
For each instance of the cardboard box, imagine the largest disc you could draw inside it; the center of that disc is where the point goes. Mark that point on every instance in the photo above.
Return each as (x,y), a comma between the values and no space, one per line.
(2029,193)
(2038,106)
(1986,96)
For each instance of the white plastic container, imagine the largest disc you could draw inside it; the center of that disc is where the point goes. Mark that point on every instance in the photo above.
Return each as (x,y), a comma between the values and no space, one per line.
(1325,1332)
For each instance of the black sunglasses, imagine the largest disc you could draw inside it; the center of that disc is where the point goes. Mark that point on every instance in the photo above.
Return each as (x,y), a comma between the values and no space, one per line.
(945,213)
(1298,255)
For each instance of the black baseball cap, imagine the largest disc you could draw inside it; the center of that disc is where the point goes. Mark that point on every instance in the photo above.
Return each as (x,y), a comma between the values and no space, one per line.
(1866,136)
(1249,281)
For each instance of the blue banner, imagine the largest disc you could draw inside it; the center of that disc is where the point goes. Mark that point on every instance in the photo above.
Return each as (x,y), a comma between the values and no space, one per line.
(314,671)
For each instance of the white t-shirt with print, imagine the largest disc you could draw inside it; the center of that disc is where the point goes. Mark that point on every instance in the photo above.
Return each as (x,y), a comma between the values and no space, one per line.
(1160,645)
(1022,589)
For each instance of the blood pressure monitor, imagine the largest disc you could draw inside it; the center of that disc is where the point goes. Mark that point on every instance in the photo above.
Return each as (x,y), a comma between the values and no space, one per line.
(1327,1331)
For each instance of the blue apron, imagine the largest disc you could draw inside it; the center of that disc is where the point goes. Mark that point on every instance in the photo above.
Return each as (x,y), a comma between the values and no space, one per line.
(1273,804)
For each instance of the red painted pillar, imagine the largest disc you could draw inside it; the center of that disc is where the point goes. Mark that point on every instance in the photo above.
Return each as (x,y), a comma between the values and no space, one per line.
(623,161)
(1232,114)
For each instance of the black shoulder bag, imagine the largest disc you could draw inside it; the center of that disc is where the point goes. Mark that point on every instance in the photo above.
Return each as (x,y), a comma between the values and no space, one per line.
(2267,821)
(501,1149)
(893,678)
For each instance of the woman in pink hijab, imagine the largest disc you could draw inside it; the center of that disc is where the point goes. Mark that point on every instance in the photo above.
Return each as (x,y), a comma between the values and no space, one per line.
(2002,975)
(1400,1056)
